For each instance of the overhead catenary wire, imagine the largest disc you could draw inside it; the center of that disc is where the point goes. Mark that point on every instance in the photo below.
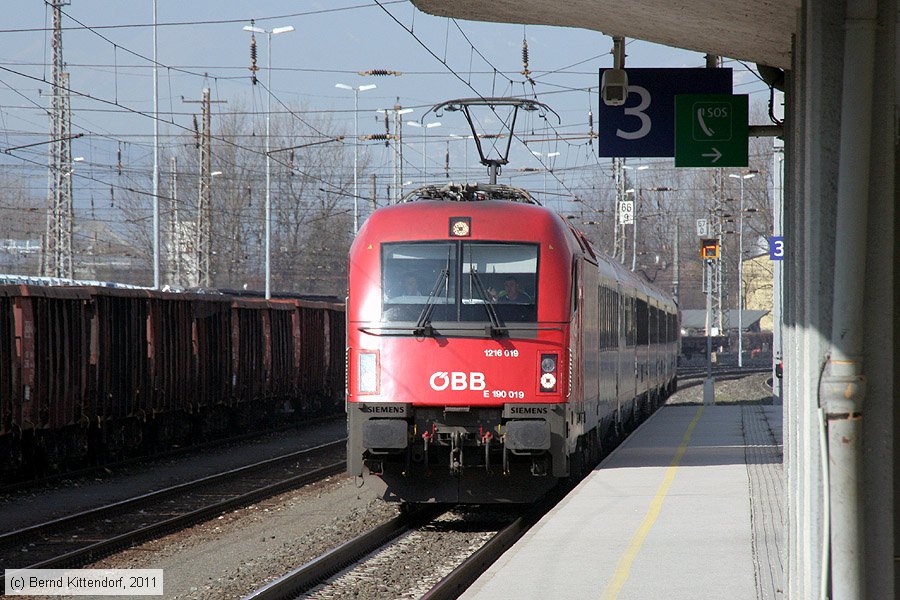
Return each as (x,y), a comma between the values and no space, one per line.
(450,69)
(137,141)
(205,21)
(219,138)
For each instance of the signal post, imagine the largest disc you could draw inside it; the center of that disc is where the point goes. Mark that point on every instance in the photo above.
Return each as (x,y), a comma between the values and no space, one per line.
(709,253)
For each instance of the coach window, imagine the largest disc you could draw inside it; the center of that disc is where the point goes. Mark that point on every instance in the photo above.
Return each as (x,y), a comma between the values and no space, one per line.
(629,321)
(412,272)
(502,274)
(642,323)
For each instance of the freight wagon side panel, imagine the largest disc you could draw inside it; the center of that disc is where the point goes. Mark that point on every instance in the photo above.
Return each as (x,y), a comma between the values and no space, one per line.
(213,339)
(9,399)
(123,365)
(313,378)
(61,349)
(171,327)
(25,348)
(299,401)
(337,364)
(250,371)
(282,354)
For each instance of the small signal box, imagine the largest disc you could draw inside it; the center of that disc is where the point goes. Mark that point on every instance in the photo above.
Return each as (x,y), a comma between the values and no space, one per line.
(709,248)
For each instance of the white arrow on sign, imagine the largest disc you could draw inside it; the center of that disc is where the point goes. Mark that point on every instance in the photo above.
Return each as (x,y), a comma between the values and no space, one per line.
(714,155)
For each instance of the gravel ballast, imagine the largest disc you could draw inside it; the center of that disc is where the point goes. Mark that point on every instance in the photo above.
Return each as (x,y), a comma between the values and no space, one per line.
(239,552)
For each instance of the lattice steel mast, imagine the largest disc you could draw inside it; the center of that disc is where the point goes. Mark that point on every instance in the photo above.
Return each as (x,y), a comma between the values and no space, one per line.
(204,205)
(56,255)
(203,232)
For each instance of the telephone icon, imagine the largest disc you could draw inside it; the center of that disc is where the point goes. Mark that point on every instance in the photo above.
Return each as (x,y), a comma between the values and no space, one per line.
(707,130)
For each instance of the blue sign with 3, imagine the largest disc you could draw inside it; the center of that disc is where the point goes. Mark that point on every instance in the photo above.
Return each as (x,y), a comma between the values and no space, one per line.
(645,124)
(776,248)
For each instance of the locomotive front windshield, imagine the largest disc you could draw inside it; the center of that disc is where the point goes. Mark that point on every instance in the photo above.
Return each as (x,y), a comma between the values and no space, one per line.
(459,282)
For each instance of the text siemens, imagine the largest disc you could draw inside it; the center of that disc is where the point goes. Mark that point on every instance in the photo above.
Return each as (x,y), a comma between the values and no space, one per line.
(529,410)
(368,408)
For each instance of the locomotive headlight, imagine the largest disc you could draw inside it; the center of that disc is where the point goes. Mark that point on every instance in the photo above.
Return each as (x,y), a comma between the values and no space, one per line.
(549,365)
(548,382)
(368,373)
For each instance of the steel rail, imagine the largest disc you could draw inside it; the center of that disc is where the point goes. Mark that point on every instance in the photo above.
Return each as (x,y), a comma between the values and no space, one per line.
(699,372)
(30,484)
(104,547)
(12,537)
(464,575)
(319,569)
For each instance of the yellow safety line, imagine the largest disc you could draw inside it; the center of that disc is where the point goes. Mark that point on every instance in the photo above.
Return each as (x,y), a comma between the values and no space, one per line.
(623,569)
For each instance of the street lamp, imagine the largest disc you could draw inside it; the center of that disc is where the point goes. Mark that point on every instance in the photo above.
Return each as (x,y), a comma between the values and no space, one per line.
(748,175)
(425,127)
(356,91)
(268,209)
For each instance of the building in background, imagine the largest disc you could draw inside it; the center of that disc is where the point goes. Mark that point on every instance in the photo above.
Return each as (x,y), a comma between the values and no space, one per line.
(758,288)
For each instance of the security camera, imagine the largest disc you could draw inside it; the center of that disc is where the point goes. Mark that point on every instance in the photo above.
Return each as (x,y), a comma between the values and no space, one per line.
(614,87)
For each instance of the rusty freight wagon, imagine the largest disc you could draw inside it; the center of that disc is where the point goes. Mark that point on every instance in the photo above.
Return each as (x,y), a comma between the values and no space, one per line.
(89,373)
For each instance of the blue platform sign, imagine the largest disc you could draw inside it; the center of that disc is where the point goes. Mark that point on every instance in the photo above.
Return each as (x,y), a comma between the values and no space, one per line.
(776,248)
(645,124)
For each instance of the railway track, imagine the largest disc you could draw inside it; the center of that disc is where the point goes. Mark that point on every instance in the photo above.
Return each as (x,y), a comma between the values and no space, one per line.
(79,539)
(478,535)
(720,371)
(22,484)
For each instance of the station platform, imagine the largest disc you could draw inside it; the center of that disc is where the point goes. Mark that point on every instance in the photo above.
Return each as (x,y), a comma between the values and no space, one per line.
(690,506)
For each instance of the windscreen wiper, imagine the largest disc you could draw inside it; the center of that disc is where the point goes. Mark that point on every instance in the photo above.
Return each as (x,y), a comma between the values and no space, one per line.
(497,327)
(423,325)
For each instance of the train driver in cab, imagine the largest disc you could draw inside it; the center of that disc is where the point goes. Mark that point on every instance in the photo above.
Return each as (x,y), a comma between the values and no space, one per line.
(511,293)
(408,286)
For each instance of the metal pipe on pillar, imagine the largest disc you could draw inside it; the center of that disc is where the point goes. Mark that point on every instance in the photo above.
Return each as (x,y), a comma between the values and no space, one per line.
(843,388)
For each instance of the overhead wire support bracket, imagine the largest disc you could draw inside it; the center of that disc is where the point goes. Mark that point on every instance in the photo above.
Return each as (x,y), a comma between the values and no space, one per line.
(338,138)
(53,141)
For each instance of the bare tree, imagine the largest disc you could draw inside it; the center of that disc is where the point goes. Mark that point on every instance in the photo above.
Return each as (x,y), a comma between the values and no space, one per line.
(313,221)
(22,224)
(310,195)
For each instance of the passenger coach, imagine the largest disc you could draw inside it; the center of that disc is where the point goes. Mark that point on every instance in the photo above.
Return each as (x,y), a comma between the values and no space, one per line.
(490,351)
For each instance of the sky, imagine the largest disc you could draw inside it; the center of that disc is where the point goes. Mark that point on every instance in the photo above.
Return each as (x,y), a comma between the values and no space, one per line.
(108,46)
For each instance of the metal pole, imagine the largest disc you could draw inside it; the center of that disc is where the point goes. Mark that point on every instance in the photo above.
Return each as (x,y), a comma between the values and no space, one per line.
(741,280)
(399,152)
(709,384)
(675,281)
(268,207)
(720,269)
(777,283)
(355,160)
(637,203)
(709,316)
(155,159)
(176,227)
(615,251)
(843,390)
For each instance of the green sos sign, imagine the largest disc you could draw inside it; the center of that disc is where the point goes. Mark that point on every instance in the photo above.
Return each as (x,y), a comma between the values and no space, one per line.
(711,130)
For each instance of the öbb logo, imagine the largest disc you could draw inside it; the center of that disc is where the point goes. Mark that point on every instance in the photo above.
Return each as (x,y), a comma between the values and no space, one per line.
(456,381)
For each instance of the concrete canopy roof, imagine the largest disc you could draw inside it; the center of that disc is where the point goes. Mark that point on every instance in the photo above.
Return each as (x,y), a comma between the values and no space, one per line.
(755,30)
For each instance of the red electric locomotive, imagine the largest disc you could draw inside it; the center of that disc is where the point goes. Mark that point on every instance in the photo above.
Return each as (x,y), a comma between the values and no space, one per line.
(490,351)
